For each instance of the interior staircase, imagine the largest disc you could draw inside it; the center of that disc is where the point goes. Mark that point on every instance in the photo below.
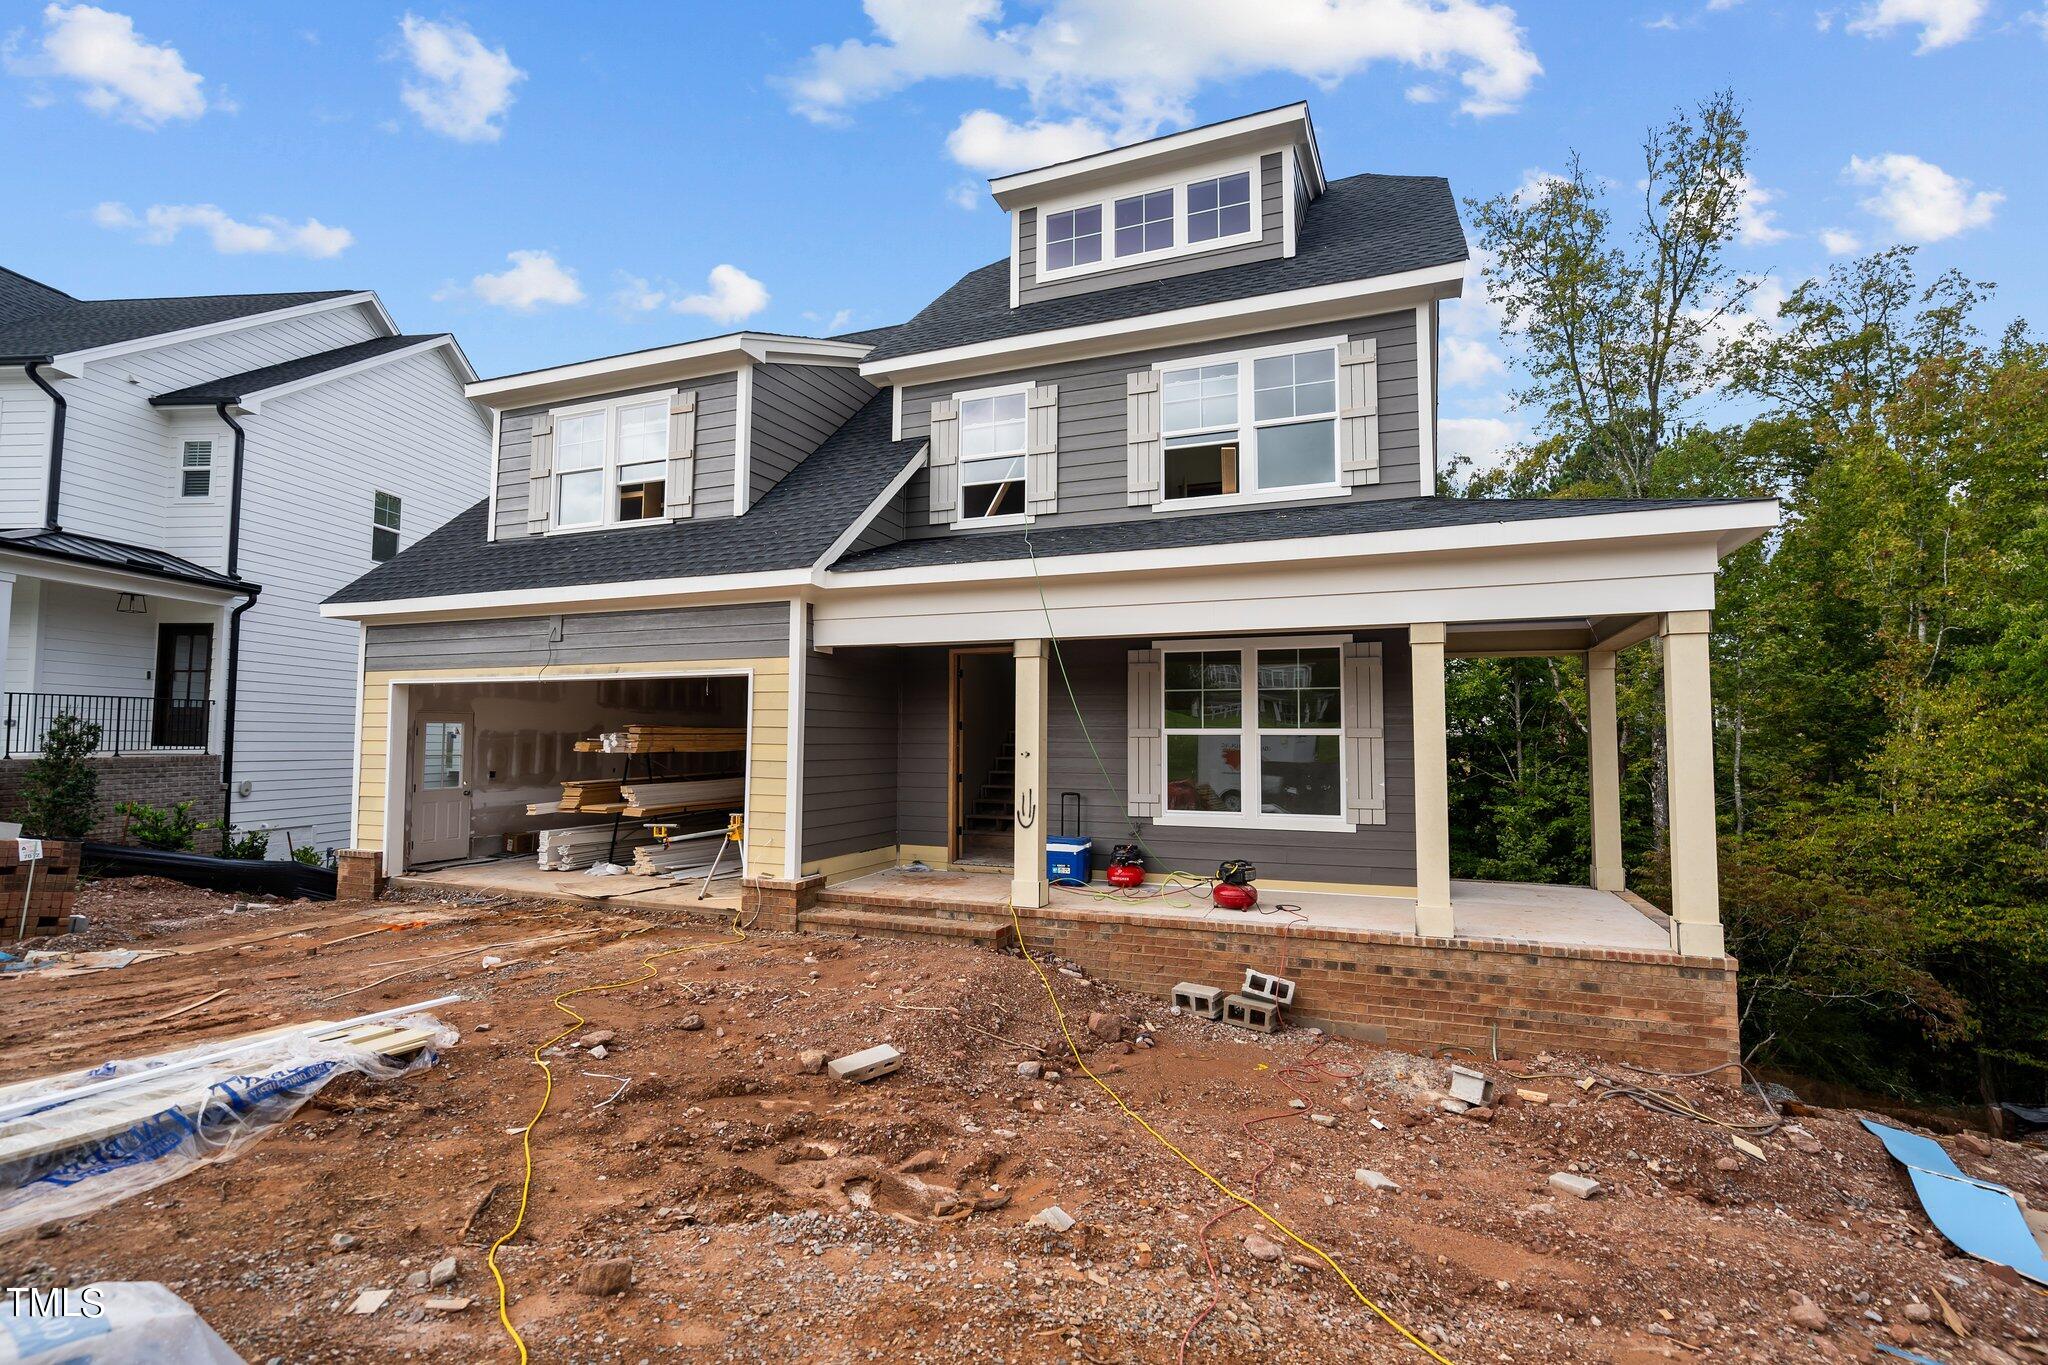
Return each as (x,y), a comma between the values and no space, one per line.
(985,816)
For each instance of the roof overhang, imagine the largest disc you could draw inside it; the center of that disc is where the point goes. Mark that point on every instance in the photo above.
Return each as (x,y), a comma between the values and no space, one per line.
(1207,322)
(638,594)
(686,360)
(50,568)
(1264,131)
(71,364)
(253,400)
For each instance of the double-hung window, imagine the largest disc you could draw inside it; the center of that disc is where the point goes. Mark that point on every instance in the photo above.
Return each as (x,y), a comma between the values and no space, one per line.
(384,514)
(1073,238)
(1260,424)
(1254,733)
(195,469)
(992,448)
(611,463)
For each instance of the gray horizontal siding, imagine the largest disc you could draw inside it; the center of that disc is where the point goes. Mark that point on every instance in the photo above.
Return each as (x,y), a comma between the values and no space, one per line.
(1270,245)
(849,752)
(1092,421)
(795,408)
(717,403)
(886,529)
(1379,855)
(748,630)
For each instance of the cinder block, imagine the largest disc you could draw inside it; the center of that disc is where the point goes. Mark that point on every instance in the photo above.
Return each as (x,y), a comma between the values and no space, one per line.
(1204,1002)
(867,1064)
(1245,1012)
(1471,1086)
(1260,986)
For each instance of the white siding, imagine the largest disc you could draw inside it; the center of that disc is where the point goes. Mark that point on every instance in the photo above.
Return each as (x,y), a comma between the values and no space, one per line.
(24,450)
(315,458)
(117,451)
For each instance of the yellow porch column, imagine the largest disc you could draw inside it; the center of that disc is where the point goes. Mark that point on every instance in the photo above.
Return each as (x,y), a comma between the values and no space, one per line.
(1689,765)
(1604,763)
(1028,886)
(1432,783)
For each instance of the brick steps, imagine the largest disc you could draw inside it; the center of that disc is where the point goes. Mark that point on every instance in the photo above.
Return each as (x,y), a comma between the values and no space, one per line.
(921,927)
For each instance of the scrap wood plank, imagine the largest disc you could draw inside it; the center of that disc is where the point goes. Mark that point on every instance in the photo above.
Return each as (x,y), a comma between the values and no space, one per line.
(187,1007)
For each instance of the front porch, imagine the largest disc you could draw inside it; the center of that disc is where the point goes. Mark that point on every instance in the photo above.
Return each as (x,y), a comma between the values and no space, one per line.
(1504,912)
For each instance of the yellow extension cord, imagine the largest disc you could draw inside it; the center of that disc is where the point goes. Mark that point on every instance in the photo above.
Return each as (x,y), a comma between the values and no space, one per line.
(648,973)
(1061,1016)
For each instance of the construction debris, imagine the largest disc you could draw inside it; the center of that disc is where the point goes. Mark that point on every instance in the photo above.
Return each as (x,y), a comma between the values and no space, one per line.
(1262,1016)
(1577,1186)
(369,1301)
(867,1064)
(1473,1087)
(1263,986)
(1374,1180)
(1204,1002)
(1052,1216)
(1748,1148)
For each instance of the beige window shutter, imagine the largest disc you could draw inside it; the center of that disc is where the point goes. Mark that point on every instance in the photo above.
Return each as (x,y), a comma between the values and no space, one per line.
(540,468)
(1042,463)
(1358,412)
(1365,733)
(945,460)
(682,452)
(1145,766)
(1141,435)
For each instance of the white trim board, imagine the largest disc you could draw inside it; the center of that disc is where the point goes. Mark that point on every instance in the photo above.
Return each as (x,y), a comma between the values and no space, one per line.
(1015,190)
(689,359)
(253,401)
(71,364)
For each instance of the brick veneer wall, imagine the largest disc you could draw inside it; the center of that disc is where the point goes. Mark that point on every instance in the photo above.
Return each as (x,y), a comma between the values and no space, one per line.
(49,896)
(159,779)
(1653,1009)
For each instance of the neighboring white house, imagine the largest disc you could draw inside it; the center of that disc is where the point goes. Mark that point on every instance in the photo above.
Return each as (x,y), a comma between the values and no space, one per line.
(182,481)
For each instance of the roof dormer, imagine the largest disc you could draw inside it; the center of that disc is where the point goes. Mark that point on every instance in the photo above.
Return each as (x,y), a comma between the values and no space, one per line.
(1211,197)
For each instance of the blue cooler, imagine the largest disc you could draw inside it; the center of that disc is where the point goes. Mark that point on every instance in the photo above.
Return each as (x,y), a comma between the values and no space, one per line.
(1067,861)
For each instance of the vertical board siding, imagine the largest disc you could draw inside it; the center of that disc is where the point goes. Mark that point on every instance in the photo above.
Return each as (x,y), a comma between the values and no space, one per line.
(717,404)
(795,408)
(767,753)
(1372,855)
(1093,400)
(1269,245)
(850,751)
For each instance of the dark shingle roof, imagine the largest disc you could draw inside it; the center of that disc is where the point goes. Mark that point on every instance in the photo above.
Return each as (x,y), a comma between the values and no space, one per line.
(790,528)
(22,297)
(81,324)
(112,554)
(1233,528)
(1360,227)
(232,388)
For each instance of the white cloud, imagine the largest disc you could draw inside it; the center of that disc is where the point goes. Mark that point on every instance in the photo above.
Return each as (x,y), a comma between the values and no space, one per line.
(1921,201)
(1840,242)
(160,224)
(1756,223)
(1536,183)
(1941,22)
(1422,94)
(965,196)
(463,88)
(731,295)
(122,74)
(1485,441)
(1136,65)
(1468,362)
(535,279)
(839,320)
(985,141)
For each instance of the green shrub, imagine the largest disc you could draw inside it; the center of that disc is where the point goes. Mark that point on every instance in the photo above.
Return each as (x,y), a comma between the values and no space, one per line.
(310,856)
(61,790)
(169,831)
(254,846)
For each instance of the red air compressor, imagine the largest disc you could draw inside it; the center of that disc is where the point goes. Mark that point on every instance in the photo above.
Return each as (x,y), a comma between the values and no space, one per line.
(1233,889)
(1126,866)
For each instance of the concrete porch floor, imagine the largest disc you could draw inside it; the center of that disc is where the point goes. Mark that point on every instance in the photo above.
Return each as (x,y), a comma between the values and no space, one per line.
(1519,912)
(522,876)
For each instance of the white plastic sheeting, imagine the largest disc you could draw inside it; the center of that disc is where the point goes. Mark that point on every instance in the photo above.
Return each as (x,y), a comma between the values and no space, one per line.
(121,1322)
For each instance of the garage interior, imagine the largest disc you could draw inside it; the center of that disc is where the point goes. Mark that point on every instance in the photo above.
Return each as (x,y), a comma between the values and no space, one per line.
(517,785)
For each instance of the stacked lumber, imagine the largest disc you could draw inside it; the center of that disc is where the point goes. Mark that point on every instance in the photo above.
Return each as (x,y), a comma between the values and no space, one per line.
(673,797)
(677,855)
(667,739)
(566,850)
(584,793)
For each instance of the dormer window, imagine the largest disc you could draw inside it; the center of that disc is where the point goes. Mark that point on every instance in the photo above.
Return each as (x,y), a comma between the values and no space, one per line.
(1144,222)
(611,462)
(1220,208)
(1073,238)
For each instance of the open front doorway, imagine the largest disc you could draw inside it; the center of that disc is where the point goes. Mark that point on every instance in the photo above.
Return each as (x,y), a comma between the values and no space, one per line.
(984,775)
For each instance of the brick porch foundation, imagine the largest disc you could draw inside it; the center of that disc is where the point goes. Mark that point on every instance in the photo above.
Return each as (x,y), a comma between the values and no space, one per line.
(1653,1009)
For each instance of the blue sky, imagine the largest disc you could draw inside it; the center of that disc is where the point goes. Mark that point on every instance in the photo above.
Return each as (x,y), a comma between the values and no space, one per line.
(553,182)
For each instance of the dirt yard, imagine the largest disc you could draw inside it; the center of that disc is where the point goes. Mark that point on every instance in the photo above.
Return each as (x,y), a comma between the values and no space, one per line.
(754,1210)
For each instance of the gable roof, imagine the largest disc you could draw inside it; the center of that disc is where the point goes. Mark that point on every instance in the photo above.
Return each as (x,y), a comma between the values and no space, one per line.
(1238,528)
(69,324)
(792,527)
(22,297)
(1360,227)
(235,387)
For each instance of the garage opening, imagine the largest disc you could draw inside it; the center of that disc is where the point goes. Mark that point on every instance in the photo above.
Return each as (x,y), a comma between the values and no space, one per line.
(519,784)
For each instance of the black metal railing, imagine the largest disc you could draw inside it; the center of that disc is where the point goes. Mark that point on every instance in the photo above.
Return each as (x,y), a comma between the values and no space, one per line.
(127,724)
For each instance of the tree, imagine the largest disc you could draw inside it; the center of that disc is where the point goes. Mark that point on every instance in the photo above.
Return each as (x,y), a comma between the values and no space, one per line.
(1617,335)
(61,790)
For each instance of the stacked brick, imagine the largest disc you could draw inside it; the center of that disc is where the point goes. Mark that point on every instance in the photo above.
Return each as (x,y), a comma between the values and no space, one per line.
(41,905)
